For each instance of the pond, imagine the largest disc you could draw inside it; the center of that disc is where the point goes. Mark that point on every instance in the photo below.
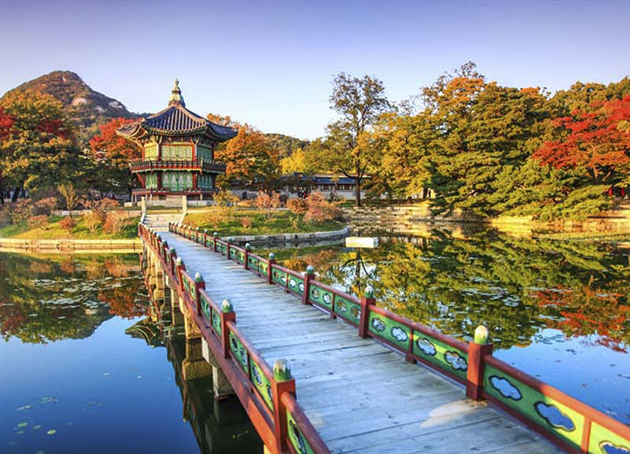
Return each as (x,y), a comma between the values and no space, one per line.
(85,369)
(558,310)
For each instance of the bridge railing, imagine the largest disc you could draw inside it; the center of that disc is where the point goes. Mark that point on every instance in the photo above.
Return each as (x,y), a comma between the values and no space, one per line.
(282,423)
(564,420)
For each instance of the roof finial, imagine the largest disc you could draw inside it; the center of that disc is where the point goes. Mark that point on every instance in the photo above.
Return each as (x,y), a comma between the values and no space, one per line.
(176,98)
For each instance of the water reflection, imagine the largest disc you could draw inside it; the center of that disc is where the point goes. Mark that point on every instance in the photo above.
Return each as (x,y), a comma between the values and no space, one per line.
(78,379)
(45,299)
(513,286)
(558,310)
(219,426)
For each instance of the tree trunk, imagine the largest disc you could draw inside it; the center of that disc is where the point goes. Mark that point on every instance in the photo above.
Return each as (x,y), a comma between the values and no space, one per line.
(358,189)
(16,194)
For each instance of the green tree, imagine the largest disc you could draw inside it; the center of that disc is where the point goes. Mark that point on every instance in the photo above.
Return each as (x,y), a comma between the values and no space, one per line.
(359,102)
(38,150)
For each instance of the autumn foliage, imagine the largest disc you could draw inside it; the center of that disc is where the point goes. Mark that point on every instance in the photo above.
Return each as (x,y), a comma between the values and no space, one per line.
(597,141)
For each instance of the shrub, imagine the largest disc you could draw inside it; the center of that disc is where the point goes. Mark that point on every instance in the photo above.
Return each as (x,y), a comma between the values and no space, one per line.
(38,222)
(113,223)
(320,210)
(246,223)
(297,206)
(98,216)
(267,202)
(225,198)
(19,211)
(213,218)
(93,221)
(46,206)
(67,223)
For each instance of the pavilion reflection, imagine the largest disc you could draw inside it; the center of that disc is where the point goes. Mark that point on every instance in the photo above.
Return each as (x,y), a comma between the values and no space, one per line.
(219,425)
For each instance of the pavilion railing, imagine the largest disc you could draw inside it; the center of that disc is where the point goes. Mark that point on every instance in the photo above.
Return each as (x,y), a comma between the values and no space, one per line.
(141,165)
(564,420)
(275,413)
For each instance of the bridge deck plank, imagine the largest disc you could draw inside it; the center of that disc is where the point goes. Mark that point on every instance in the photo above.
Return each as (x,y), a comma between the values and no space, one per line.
(358,394)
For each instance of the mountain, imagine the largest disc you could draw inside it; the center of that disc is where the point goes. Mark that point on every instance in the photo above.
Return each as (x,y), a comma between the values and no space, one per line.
(88,108)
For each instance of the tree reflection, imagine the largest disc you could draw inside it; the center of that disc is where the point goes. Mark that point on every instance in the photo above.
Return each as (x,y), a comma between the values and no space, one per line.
(513,286)
(46,299)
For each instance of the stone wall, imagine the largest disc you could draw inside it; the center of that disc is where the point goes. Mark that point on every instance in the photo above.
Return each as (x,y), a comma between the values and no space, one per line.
(292,238)
(417,220)
(70,246)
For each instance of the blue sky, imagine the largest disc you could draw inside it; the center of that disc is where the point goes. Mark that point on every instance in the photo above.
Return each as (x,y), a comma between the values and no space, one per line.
(270,63)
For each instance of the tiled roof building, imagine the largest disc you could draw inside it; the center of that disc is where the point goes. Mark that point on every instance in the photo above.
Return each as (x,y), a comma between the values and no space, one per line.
(178,152)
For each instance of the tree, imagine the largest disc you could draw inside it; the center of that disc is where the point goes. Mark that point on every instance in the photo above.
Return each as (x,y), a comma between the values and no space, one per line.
(69,195)
(359,102)
(37,149)
(113,154)
(596,142)
(479,130)
(251,160)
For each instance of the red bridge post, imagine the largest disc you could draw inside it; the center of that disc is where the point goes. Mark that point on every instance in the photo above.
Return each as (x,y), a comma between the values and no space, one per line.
(478,349)
(227,315)
(366,301)
(271,263)
(308,277)
(283,382)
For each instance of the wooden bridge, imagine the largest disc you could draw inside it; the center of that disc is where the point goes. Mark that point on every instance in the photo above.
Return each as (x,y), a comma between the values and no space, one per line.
(361,379)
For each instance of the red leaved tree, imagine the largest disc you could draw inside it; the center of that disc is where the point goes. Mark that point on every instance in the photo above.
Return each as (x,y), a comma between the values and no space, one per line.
(596,141)
(115,153)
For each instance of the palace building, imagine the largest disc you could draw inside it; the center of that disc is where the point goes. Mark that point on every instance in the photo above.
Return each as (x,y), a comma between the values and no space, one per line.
(177,152)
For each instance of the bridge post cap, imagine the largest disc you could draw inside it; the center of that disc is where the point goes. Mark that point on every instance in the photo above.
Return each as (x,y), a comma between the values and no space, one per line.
(172,250)
(226,306)
(310,270)
(197,228)
(205,231)
(481,335)
(248,247)
(215,234)
(369,292)
(230,240)
(282,370)
(179,262)
(272,256)
(198,277)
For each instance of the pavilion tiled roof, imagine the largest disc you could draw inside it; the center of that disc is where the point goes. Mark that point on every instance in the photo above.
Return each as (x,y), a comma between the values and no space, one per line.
(177,120)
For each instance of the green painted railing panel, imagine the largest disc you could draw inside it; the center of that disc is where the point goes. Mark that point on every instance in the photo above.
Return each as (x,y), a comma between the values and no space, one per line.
(216,322)
(206,309)
(262,383)
(320,296)
(279,277)
(440,354)
(604,441)
(347,309)
(389,330)
(296,284)
(296,437)
(254,264)
(190,289)
(547,413)
(239,352)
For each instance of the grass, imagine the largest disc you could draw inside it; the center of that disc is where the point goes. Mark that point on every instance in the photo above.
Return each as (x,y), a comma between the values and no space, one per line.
(54,231)
(263,223)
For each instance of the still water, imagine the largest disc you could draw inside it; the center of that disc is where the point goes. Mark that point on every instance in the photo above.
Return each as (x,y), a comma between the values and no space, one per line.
(84,369)
(555,309)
